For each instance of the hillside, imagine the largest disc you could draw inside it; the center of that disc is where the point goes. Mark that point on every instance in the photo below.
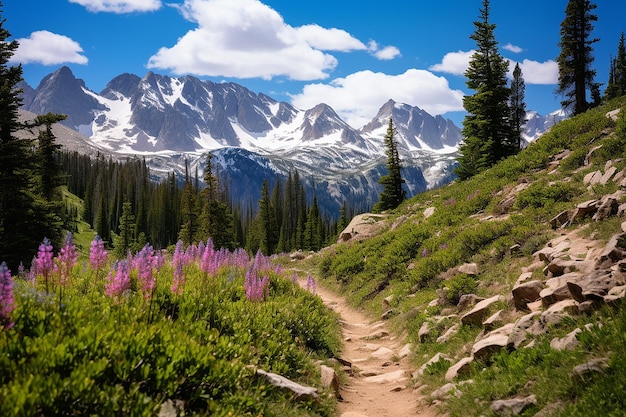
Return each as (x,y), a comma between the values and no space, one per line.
(508,286)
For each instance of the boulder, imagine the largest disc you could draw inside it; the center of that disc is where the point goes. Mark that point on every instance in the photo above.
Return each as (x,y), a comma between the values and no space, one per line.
(608,207)
(490,345)
(586,371)
(495,319)
(460,368)
(614,251)
(608,174)
(447,391)
(525,325)
(362,227)
(444,338)
(569,342)
(438,357)
(513,407)
(476,315)
(558,311)
(588,208)
(561,220)
(388,378)
(330,380)
(469,269)
(467,300)
(429,212)
(526,293)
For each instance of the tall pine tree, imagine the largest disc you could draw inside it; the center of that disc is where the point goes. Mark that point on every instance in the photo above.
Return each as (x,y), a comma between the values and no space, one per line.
(487,128)
(518,105)
(576,76)
(393,193)
(617,75)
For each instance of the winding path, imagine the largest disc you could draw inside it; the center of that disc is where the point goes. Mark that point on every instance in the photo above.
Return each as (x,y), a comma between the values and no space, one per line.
(380,384)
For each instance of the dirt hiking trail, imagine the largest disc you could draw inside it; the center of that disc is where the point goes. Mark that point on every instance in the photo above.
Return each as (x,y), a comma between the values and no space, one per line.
(380,384)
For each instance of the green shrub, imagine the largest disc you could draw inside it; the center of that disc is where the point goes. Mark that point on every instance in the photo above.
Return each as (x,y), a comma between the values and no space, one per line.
(459,285)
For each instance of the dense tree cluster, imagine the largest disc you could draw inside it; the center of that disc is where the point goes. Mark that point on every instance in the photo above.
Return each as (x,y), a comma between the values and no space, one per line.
(616,86)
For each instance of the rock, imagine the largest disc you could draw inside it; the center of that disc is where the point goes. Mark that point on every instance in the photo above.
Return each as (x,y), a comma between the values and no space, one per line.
(383,353)
(467,300)
(614,251)
(363,226)
(608,207)
(592,178)
(330,380)
(460,368)
(405,351)
(558,311)
(608,174)
(376,335)
(523,278)
(438,357)
(583,210)
(561,220)
(469,269)
(424,332)
(556,289)
(513,407)
(387,302)
(387,315)
(429,212)
(446,392)
(476,315)
(493,320)
(390,377)
(301,392)
(616,294)
(584,372)
(444,338)
(526,293)
(569,342)
(489,346)
(525,325)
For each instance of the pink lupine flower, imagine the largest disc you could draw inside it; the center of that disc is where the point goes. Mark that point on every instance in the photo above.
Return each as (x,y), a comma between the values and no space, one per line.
(67,259)
(118,279)
(255,286)
(7,302)
(158,260)
(45,263)
(311,285)
(97,254)
(144,262)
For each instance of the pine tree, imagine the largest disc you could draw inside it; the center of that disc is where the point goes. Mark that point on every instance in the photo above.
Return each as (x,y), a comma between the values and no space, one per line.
(24,214)
(576,76)
(126,239)
(487,128)
(216,219)
(189,211)
(518,106)
(393,193)
(616,86)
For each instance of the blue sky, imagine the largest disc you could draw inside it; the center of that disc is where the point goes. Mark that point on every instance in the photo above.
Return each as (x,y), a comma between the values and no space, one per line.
(351,54)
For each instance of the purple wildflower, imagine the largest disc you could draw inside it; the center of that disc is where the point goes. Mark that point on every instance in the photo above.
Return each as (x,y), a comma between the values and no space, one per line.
(45,263)
(67,259)
(144,262)
(118,279)
(425,253)
(311,285)
(97,254)
(7,302)
(254,286)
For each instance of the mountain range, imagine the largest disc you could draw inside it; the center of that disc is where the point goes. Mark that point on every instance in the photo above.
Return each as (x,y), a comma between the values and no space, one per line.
(173,122)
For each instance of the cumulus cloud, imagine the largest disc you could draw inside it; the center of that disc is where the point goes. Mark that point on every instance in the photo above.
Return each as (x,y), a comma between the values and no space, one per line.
(454,62)
(358,97)
(248,39)
(512,48)
(48,48)
(119,6)
(386,53)
(534,72)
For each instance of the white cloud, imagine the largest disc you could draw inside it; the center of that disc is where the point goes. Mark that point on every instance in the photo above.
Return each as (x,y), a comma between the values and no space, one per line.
(385,54)
(512,48)
(119,6)
(358,97)
(248,39)
(48,48)
(534,72)
(455,63)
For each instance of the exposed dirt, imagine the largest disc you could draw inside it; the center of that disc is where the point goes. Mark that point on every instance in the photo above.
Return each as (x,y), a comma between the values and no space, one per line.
(381,382)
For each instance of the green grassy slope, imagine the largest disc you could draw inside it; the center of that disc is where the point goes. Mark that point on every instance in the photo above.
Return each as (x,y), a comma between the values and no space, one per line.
(496,220)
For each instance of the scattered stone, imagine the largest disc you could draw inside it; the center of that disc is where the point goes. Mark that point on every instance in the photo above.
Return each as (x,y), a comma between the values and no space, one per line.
(469,269)
(569,342)
(390,377)
(582,373)
(444,338)
(438,357)
(513,407)
(405,351)
(447,391)
(387,302)
(476,315)
(489,346)
(614,251)
(330,380)
(383,353)
(561,220)
(493,320)
(429,212)
(376,335)
(526,325)
(387,315)
(460,368)
(301,392)
(525,293)
(588,208)
(468,300)
(424,332)
(558,311)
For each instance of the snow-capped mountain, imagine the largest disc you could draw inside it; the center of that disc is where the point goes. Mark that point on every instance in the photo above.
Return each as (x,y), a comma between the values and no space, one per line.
(169,120)
(536,124)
